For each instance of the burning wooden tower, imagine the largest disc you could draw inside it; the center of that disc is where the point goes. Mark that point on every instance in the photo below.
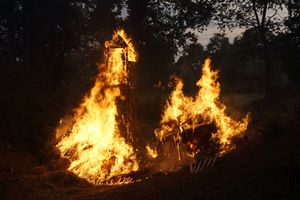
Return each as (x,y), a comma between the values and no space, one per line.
(98,143)
(127,104)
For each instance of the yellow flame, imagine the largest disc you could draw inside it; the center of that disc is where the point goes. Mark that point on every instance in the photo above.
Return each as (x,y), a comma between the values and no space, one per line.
(94,146)
(151,152)
(182,112)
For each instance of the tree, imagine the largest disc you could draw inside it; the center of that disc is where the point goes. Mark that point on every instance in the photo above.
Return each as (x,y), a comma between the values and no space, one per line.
(259,14)
(293,21)
(159,28)
(189,66)
(217,47)
(34,32)
(9,28)
(50,29)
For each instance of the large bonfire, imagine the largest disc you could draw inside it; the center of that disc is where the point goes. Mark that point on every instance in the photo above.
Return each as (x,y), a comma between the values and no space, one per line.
(94,142)
(183,114)
(94,145)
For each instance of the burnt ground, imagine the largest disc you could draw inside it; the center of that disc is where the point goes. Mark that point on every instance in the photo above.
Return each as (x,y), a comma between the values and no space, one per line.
(266,166)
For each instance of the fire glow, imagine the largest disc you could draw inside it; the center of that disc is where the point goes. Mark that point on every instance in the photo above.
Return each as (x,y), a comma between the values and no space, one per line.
(95,146)
(187,113)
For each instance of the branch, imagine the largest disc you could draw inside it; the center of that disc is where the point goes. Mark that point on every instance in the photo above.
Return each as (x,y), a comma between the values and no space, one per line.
(275,13)
(263,19)
(153,3)
(255,12)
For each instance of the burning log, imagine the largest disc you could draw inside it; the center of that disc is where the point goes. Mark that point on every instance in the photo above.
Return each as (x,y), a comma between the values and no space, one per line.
(199,138)
(200,121)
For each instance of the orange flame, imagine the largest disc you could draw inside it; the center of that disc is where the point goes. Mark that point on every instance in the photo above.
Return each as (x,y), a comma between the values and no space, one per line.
(151,152)
(182,112)
(94,146)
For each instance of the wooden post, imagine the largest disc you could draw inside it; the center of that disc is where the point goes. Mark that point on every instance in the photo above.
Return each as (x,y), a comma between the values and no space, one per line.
(127,108)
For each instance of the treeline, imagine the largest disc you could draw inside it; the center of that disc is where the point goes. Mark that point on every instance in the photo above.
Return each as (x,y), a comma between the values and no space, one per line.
(241,62)
(56,33)
(265,56)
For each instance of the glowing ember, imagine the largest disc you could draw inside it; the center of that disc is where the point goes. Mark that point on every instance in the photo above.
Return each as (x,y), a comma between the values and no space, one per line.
(94,145)
(184,113)
(152,153)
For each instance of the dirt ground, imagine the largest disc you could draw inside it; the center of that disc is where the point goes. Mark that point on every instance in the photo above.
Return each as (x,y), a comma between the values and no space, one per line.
(265,170)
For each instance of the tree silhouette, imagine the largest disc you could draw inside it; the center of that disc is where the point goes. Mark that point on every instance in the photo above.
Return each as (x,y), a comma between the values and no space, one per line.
(160,28)
(293,21)
(262,15)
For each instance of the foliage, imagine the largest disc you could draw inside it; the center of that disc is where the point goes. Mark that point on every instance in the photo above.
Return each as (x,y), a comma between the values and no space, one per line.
(260,14)
(189,66)
(250,13)
(241,63)
(160,28)
(293,21)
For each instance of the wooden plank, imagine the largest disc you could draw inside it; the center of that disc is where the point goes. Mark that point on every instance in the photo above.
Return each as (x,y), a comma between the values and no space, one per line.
(214,160)
(208,165)
(198,166)
(204,164)
(192,167)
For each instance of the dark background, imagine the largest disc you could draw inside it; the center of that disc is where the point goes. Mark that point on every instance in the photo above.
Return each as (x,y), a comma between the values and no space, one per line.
(49,51)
